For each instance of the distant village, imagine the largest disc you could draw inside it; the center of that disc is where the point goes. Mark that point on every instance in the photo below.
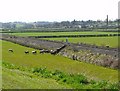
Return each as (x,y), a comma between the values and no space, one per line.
(90,24)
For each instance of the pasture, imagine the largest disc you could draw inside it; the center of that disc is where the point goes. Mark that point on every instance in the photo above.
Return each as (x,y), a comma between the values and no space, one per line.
(112,41)
(52,62)
(16,79)
(59,33)
(100,41)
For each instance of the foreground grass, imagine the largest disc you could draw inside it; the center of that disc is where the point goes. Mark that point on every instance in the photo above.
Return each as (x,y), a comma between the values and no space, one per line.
(60,33)
(16,79)
(21,74)
(52,63)
(100,41)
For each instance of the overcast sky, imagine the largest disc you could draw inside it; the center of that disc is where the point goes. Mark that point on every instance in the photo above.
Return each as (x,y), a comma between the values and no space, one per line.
(57,10)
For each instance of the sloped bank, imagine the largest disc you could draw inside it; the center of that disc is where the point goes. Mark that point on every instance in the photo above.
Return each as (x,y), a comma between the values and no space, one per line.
(91,57)
(49,79)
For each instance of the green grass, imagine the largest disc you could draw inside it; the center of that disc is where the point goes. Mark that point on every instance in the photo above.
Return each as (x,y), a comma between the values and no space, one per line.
(52,63)
(60,33)
(78,81)
(16,79)
(0,75)
(100,41)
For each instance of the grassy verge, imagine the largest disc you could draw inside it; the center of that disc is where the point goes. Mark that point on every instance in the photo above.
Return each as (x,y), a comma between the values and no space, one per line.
(16,79)
(32,77)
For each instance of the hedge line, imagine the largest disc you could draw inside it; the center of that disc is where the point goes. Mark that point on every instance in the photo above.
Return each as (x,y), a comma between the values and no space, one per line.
(58,36)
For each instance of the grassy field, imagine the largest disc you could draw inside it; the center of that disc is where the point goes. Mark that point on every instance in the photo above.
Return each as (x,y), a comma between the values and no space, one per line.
(59,33)
(100,41)
(16,79)
(51,62)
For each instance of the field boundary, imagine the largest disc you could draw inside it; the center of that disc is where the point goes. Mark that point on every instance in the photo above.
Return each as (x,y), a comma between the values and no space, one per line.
(60,36)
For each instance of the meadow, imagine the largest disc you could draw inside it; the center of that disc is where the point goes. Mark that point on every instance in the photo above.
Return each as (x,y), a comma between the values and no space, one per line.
(100,41)
(112,41)
(60,33)
(52,62)
(16,79)
(94,76)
